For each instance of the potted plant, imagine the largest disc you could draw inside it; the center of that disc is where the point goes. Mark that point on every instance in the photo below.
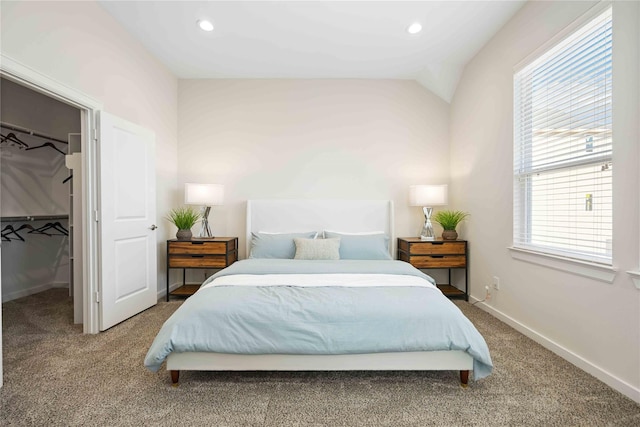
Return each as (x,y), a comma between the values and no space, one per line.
(184,218)
(449,220)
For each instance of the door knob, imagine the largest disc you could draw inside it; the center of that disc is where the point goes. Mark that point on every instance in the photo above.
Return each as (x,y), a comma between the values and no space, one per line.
(153,227)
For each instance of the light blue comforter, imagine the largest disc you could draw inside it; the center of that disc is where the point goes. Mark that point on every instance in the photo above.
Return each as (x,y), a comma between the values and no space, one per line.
(318,320)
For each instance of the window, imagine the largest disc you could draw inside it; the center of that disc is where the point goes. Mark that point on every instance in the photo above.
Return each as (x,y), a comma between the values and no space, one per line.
(563,147)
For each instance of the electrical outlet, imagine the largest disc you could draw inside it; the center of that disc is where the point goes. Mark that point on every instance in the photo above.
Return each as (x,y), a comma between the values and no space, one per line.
(487,295)
(496,283)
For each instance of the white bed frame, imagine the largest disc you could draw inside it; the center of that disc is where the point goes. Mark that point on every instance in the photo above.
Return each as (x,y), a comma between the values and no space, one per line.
(318,215)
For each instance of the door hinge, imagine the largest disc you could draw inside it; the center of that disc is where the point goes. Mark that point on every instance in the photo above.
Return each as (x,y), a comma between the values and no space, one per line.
(97,296)
(95,215)
(95,134)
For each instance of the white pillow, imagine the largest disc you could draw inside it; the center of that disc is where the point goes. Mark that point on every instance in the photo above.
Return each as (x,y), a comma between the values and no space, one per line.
(317,249)
(287,232)
(362,233)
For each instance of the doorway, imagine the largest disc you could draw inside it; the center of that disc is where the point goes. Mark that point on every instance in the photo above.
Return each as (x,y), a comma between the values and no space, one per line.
(84,180)
(40,147)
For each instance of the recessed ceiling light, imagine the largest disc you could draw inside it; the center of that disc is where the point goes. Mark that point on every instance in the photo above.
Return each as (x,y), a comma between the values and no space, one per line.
(414,28)
(205,25)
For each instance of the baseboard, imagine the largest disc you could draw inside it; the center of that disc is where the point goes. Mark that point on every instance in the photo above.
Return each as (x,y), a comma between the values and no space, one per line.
(611,380)
(60,285)
(21,293)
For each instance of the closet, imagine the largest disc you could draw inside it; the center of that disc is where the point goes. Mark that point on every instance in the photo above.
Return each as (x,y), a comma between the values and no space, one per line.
(39,150)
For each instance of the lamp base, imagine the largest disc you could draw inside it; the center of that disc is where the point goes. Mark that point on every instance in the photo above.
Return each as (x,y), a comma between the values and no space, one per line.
(427,233)
(205,231)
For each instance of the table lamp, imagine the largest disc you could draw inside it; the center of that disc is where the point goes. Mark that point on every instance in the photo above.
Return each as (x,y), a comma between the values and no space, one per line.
(206,195)
(427,196)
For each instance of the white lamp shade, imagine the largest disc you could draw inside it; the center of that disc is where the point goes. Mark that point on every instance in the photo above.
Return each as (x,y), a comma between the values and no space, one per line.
(428,195)
(203,194)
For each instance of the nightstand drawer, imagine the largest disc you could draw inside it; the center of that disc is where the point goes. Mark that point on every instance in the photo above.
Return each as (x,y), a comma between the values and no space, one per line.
(439,261)
(198,261)
(437,248)
(198,248)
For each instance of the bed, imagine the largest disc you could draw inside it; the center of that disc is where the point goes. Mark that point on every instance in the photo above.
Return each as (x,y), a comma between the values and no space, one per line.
(361,311)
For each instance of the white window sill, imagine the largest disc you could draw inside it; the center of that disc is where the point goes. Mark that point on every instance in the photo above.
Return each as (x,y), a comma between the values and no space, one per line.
(599,272)
(635,276)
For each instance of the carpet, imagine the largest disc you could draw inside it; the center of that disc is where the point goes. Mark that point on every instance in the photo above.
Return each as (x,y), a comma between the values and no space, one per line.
(55,375)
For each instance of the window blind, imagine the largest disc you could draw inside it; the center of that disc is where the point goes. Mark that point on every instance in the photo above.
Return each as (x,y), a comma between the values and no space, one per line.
(563,147)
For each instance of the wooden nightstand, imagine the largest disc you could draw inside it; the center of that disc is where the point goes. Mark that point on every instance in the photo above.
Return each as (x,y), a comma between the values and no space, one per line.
(214,253)
(444,254)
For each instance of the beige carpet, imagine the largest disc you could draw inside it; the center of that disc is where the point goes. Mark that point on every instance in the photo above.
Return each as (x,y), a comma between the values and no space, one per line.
(55,375)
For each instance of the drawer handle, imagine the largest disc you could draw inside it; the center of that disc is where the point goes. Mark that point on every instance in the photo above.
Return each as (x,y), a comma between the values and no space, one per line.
(197,256)
(197,243)
(437,243)
(437,256)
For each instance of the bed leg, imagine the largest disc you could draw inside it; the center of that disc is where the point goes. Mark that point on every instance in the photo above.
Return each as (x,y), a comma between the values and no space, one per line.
(464,379)
(175,375)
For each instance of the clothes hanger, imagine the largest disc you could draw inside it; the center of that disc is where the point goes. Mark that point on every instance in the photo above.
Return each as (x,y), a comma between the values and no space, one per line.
(32,229)
(11,137)
(47,144)
(8,230)
(44,228)
(52,225)
(60,228)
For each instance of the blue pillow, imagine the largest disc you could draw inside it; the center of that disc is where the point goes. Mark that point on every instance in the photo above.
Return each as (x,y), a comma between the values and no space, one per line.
(362,246)
(266,245)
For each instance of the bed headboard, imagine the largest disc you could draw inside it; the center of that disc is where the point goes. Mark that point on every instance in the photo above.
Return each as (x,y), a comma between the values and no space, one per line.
(287,215)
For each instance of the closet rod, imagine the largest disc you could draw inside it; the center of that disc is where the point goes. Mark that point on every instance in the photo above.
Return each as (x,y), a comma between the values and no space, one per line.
(30,132)
(32,218)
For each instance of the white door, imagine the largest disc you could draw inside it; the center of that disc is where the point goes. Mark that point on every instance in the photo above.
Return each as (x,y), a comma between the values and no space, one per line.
(127,212)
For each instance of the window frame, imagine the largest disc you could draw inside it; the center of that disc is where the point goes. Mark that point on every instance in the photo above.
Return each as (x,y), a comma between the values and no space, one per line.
(592,266)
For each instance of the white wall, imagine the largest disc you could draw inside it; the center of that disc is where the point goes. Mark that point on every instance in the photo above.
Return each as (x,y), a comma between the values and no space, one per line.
(352,139)
(591,323)
(82,46)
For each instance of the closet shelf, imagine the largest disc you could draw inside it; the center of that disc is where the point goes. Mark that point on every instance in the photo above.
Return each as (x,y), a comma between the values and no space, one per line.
(30,132)
(33,218)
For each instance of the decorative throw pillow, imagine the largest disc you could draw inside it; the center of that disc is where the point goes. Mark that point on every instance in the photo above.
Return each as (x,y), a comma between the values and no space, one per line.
(317,249)
(362,246)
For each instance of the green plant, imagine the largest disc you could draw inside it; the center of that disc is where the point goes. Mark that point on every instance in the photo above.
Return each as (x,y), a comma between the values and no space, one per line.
(449,220)
(184,218)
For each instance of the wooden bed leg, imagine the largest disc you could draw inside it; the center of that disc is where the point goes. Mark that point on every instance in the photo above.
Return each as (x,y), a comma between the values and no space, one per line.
(175,375)
(464,379)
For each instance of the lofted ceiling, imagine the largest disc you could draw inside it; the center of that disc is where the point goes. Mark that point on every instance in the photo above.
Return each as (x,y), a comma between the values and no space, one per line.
(319,39)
